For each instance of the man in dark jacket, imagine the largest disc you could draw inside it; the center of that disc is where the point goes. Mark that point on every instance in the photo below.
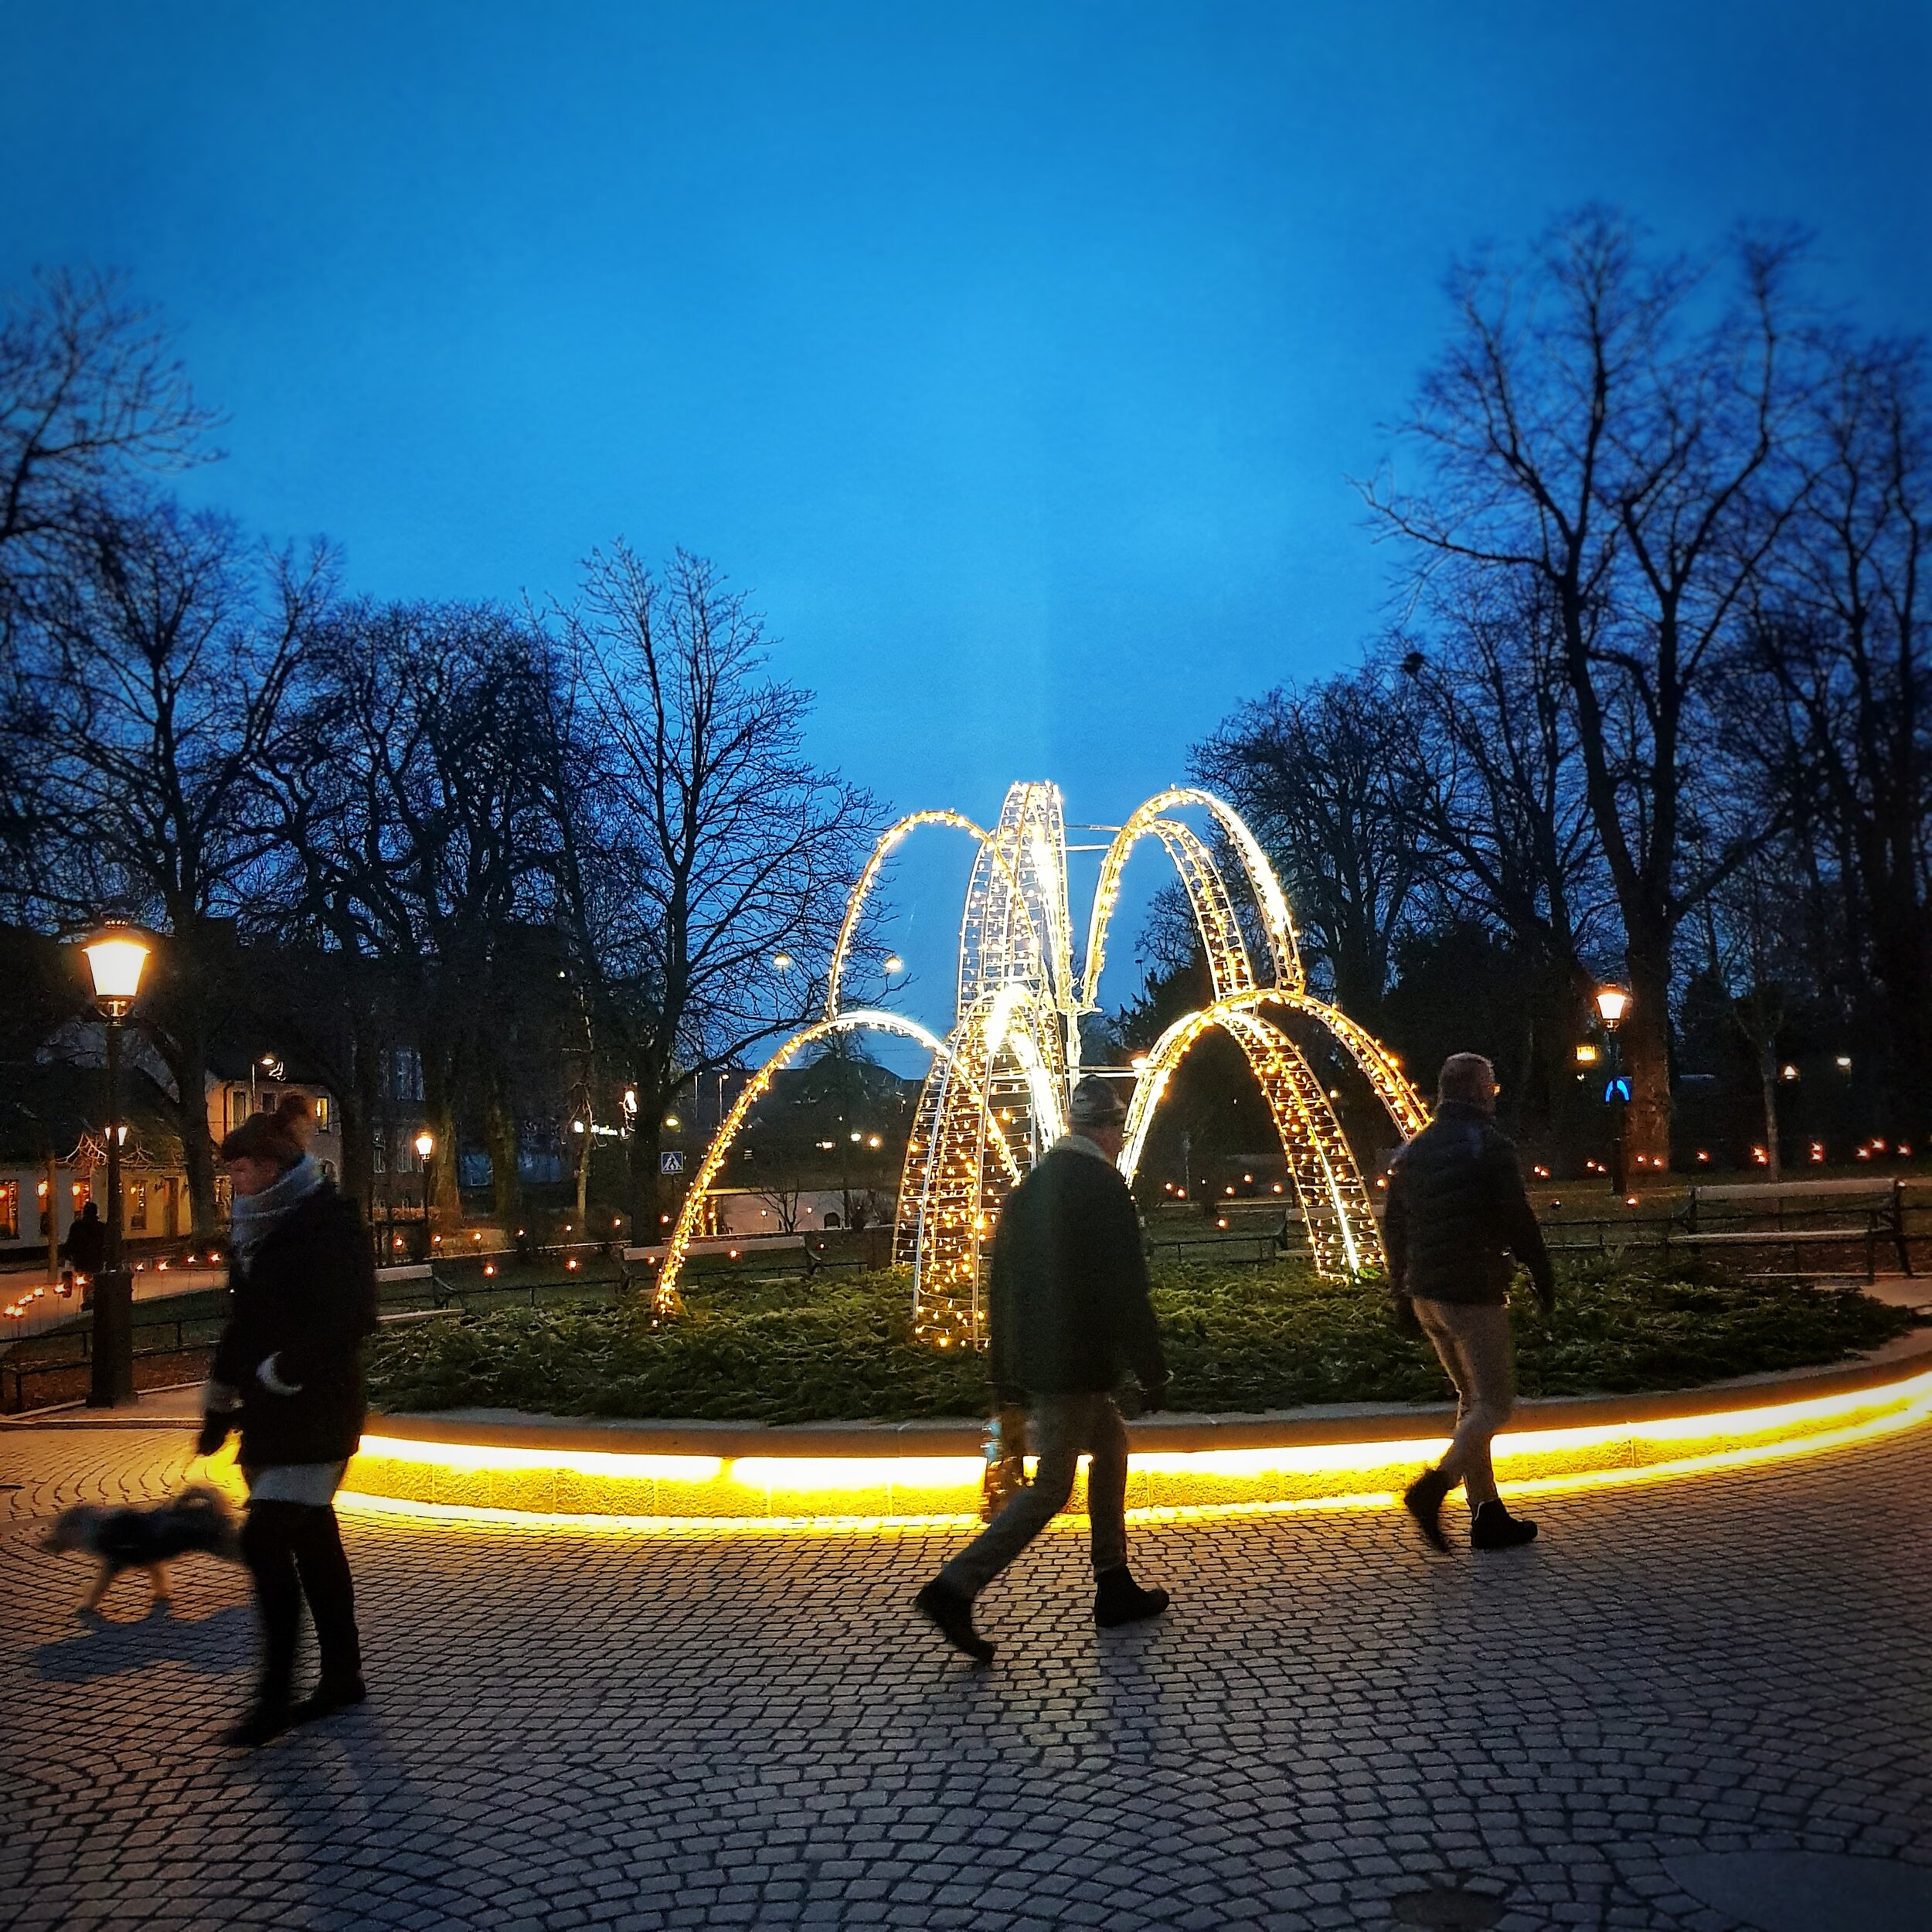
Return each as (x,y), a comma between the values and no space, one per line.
(86,1242)
(1069,1315)
(1456,1214)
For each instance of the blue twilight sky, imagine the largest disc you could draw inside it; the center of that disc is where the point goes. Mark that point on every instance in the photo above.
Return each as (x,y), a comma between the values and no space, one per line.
(1017,357)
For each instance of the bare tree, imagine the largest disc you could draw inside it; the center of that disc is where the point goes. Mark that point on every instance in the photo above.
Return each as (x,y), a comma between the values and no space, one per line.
(713,862)
(1595,426)
(156,669)
(91,392)
(1321,774)
(1841,636)
(409,795)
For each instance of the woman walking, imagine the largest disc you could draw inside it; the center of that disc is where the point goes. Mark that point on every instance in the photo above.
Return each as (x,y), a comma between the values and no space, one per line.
(288,1374)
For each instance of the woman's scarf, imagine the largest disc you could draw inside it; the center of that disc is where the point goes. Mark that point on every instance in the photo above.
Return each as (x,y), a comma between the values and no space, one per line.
(253,1217)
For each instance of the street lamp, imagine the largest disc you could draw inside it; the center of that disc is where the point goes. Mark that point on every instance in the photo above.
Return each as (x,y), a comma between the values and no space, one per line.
(1612,1003)
(115,957)
(425,1146)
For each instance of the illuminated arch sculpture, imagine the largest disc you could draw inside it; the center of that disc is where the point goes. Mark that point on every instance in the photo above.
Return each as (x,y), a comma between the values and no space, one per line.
(996,1096)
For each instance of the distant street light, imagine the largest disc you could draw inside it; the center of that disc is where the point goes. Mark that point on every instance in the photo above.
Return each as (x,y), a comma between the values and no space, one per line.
(894,963)
(782,962)
(115,957)
(1612,1003)
(425,1148)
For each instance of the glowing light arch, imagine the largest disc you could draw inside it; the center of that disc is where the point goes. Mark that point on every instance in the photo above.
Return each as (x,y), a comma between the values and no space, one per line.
(995,1097)
(666,1299)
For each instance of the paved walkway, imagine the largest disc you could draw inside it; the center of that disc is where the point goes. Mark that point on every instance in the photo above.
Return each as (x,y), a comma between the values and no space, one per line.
(576,1730)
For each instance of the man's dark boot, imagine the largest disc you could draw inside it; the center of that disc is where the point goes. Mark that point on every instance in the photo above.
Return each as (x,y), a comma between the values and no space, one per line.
(1494,1527)
(1423,1499)
(1118,1599)
(266,1717)
(328,1697)
(949,1611)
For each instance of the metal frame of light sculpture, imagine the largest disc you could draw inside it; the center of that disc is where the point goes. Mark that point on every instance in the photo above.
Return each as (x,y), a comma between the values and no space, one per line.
(996,1095)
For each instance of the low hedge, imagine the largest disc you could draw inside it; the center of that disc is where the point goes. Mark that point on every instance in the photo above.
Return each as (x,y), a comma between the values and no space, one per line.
(1237,1339)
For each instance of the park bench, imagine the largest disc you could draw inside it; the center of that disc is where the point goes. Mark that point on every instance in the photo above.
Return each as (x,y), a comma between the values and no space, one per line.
(1867,1212)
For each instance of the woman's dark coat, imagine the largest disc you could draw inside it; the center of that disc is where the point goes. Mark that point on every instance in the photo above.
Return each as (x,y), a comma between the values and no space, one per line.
(306,1297)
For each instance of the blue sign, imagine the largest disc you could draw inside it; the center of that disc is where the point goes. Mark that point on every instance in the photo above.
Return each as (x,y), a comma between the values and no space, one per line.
(1616,1090)
(670,1161)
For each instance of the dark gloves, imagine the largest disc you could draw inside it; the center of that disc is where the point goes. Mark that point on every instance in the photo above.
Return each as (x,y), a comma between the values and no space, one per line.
(215,1427)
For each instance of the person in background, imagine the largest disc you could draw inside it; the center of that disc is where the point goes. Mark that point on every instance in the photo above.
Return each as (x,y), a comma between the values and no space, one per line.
(86,1247)
(1456,1214)
(287,1373)
(1069,1316)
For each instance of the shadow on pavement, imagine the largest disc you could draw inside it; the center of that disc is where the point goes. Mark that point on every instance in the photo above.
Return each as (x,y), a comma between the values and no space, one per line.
(219,1644)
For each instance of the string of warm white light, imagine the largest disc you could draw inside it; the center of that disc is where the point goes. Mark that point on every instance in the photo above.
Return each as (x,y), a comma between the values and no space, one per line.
(996,1095)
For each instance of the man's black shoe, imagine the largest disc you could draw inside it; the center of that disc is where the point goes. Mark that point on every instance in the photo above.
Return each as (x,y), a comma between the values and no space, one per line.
(1494,1527)
(1118,1599)
(327,1698)
(949,1612)
(266,1717)
(1423,1499)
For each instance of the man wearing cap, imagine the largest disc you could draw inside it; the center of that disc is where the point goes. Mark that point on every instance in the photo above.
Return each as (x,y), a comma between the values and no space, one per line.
(1069,1315)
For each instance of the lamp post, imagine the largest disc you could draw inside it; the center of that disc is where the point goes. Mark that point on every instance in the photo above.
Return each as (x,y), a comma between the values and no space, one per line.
(425,1148)
(1612,1003)
(115,957)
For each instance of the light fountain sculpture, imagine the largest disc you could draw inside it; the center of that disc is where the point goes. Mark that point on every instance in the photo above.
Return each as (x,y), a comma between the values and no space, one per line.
(996,1096)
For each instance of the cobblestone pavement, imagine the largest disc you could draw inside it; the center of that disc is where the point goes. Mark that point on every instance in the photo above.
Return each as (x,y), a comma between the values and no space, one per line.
(571,1730)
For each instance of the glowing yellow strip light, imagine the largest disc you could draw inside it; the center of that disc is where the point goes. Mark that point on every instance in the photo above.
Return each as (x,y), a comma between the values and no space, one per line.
(1823,1423)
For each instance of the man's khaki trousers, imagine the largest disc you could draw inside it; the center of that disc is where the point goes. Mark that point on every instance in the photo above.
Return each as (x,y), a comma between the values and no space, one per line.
(1473,1340)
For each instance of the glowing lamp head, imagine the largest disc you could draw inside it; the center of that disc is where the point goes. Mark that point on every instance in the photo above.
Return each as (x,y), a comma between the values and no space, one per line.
(782,962)
(894,963)
(115,958)
(1612,1004)
(425,1145)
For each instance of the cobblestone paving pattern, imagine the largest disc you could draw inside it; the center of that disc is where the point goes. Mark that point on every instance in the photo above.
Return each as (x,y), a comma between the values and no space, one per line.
(571,1730)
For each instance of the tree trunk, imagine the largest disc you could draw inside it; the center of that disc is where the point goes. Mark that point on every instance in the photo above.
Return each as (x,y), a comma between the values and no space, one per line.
(648,1220)
(1767,1083)
(438,1109)
(506,1185)
(1646,1049)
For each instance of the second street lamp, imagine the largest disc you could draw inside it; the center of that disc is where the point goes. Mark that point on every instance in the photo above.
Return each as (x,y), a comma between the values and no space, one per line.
(1612,1003)
(425,1148)
(115,957)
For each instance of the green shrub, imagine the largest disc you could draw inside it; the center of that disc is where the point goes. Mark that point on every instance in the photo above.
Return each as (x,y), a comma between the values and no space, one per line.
(1237,1339)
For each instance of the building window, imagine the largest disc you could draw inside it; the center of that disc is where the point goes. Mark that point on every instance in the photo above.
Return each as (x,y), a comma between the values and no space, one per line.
(237,1106)
(46,1209)
(321,1113)
(138,1208)
(9,1210)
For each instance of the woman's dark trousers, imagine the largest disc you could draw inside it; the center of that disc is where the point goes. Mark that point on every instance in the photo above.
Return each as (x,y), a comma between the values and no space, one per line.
(294,1550)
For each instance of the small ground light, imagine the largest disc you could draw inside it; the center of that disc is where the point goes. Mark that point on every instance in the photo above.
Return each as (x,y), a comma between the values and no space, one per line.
(572,1262)
(1817,1151)
(1845,1061)
(1630,1200)
(489,1267)
(1222,1222)
(1249,1180)
(1905,1152)
(1761,1157)
(1277,1187)
(1703,1154)
(1790,1072)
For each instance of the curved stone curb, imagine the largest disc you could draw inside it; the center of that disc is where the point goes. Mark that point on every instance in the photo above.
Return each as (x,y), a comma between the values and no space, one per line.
(502,1467)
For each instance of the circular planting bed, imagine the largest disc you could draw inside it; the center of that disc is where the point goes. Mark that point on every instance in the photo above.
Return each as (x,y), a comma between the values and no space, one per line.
(788,1404)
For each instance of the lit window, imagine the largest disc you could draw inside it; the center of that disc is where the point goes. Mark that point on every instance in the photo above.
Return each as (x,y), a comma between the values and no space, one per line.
(138,1208)
(9,1210)
(321,1113)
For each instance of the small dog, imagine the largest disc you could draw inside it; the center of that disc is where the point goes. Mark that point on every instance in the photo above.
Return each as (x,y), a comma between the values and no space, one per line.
(197,1519)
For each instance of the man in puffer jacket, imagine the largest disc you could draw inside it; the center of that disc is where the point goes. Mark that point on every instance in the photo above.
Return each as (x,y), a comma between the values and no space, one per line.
(1457,1216)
